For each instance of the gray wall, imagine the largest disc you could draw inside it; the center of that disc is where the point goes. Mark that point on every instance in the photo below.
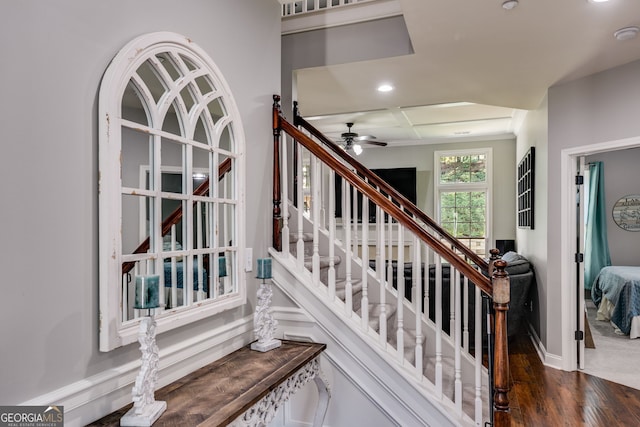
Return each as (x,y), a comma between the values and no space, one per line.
(621,178)
(54,56)
(361,41)
(421,157)
(533,243)
(595,109)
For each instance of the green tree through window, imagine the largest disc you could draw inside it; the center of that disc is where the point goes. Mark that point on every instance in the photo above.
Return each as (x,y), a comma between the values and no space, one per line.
(462,196)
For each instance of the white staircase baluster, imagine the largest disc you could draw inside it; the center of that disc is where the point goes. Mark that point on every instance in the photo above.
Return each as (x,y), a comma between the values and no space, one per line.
(354,210)
(332,236)
(438,315)
(315,205)
(465,314)
(200,272)
(174,272)
(125,295)
(478,356)
(452,308)
(365,263)
(425,304)
(417,300)
(381,273)
(323,200)
(400,289)
(454,280)
(346,220)
(300,198)
(284,185)
(389,225)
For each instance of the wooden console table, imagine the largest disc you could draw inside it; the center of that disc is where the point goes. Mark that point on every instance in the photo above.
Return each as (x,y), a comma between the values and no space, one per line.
(244,388)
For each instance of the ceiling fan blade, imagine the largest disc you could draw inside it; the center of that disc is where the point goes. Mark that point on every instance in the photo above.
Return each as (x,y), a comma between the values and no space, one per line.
(378,143)
(364,138)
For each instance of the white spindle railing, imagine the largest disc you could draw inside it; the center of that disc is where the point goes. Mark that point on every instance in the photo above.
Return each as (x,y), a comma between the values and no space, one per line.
(438,314)
(365,264)
(290,8)
(478,360)
(382,299)
(284,188)
(315,204)
(332,235)
(381,277)
(454,281)
(417,298)
(300,198)
(400,291)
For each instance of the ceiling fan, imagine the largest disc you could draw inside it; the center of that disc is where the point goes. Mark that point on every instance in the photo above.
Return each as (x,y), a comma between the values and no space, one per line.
(351,140)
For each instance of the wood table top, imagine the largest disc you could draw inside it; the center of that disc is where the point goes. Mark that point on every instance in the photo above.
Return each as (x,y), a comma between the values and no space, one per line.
(218,393)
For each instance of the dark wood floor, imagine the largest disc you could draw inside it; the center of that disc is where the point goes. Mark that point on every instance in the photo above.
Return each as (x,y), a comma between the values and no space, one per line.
(542,396)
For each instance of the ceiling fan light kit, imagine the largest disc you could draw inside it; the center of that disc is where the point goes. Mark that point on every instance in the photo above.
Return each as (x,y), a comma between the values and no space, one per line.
(351,140)
(509,4)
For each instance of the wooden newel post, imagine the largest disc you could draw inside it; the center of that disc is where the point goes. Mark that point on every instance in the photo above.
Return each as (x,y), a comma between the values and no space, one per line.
(495,255)
(277,213)
(501,297)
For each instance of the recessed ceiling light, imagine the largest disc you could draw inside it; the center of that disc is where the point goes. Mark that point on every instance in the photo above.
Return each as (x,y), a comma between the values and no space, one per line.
(626,33)
(509,4)
(597,1)
(385,88)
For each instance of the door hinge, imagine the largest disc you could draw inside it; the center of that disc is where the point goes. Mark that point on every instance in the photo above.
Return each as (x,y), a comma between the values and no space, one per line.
(579,335)
(579,258)
(579,179)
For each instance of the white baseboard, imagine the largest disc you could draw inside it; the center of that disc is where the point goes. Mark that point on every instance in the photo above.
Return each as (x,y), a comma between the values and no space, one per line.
(89,399)
(548,359)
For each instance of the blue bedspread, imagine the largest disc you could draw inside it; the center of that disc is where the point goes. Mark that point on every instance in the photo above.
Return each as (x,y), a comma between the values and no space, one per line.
(621,286)
(167,276)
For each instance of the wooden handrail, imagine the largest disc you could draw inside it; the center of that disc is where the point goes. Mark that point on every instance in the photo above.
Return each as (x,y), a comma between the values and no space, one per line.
(175,216)
(389,207)
(384,186)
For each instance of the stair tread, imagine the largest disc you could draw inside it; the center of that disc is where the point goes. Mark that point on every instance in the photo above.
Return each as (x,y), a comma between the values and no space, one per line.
(306,237)
(325,261)
(341,284)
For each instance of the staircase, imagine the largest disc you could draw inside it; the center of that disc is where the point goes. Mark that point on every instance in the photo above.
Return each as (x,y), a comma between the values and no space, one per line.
(384,286)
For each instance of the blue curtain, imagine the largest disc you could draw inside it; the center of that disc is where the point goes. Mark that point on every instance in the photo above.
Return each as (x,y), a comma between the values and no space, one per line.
(596,243)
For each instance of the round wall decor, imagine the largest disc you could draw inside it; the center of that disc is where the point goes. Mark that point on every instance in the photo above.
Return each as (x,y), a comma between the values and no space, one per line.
(626,212)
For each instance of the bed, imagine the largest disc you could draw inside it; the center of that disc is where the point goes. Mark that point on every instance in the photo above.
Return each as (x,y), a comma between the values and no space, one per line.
(616,293)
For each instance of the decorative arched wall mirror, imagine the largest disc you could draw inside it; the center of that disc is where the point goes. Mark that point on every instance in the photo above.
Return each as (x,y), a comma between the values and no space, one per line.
(171,187)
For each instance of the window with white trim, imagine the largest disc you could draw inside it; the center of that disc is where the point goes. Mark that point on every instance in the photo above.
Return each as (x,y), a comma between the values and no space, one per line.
(171,164)
(462,196)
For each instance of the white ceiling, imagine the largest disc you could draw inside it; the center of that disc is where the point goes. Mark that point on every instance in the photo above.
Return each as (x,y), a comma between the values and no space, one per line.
(469,52)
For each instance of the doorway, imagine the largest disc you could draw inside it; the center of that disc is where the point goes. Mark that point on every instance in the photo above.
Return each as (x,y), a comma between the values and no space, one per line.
(571,295)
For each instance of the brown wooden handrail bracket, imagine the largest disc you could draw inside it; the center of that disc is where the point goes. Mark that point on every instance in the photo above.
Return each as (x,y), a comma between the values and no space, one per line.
(175,216)
(501,297)
(384,186)
(277,212)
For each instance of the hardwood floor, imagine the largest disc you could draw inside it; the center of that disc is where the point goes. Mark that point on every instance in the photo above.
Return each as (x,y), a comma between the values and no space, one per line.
(542,396)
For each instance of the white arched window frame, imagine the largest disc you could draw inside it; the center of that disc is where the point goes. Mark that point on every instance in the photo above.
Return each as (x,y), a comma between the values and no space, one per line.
(168,127)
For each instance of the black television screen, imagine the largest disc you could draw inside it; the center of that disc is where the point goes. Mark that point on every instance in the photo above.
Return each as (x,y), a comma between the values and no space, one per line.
(401,179)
